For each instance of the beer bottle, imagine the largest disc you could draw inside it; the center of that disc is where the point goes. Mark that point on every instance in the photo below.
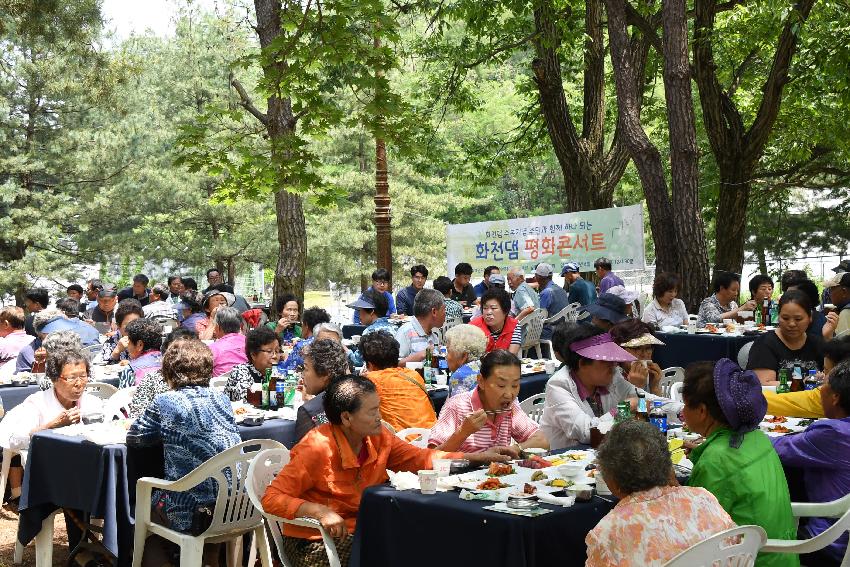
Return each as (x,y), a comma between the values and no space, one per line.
(797,380)
(273,381)
(642,414)
(427,369)
(783,387)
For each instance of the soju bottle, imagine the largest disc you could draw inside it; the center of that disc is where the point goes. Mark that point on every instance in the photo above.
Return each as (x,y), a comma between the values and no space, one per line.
(783,387)
(265,392)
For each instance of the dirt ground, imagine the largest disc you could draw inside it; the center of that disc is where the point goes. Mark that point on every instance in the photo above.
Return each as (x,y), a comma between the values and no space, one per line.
(9,530)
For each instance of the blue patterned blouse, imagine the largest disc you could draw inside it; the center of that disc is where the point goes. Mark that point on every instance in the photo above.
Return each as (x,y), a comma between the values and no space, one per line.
(193,424)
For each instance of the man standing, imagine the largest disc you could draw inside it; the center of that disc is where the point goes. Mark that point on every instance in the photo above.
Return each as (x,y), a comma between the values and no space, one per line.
(35,300)
(405,298)
(213,279)
(607,278)
(175,288)
(526,299)
(429,314)
(138,291)
(581,290)
(485,284)
(381,284)
(462,292)
(553,298)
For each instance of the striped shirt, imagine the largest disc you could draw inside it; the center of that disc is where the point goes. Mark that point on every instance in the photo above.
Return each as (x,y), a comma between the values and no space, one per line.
(516,336)
(514,424)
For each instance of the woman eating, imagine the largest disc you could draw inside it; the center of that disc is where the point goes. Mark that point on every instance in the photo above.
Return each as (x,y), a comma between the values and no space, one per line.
(332,466)
(737,462)
(789,346)
(488,416)
(324,361)
(761,292)
(213,299)
(465,345)
(115,347)
(194,423)
(262,348)
(666,309)
(635,462)
(637,339)
(287,326)
(501,329)
(723,303)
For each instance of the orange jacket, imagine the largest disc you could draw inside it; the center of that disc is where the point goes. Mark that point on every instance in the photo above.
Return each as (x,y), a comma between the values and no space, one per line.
(403,403)
(323,469)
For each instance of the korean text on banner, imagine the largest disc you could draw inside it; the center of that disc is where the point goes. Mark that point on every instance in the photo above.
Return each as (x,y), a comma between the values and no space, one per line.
(580,237)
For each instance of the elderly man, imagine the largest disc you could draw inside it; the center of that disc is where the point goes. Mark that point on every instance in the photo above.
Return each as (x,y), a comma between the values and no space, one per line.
(175,288)
(525,298)
(13,338)
(159,305)
(405,298)
(429,314)
(138,291)
(104,312)
(213,279)
(581,291)
(839,293)
(553,298)
(607,278)
(489,271)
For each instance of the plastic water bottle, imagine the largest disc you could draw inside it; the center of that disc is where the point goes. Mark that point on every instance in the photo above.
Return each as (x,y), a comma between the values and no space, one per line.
(657,417)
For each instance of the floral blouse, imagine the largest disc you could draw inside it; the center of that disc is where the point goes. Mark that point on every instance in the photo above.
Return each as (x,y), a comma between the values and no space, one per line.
(148,388)
(239,380)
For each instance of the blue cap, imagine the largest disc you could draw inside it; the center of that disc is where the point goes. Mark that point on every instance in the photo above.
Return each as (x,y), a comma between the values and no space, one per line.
(570,267)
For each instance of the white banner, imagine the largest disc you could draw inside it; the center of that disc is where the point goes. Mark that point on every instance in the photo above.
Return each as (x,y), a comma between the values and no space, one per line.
(581,237)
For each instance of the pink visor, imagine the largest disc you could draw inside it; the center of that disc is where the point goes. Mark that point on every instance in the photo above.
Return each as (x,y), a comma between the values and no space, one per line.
(601,347)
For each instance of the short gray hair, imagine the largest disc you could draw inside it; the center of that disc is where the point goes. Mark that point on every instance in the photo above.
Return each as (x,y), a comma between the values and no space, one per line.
(467,339)
(426,300)
(330,327)
(43,317)
(328,358)
(57,359)
(62,340)
(161,290)
(228,319)
(517,271)
(635,456)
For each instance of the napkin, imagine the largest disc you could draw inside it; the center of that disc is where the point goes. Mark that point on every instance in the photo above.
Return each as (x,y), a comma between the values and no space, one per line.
(606,422)
(403,480)
(565,501)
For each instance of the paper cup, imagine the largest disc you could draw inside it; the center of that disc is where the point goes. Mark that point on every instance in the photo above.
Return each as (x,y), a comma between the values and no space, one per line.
(601,486)
(428,482)
(443,467)
(442,378)
(551,366)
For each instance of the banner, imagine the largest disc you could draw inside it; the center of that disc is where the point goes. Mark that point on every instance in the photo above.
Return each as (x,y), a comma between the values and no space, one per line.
(581,237)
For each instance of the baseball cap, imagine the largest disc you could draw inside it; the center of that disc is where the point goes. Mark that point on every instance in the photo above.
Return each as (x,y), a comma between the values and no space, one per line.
(497,279)
(570,267)
(841,278)
(543,270)
(361,303)
(843,266)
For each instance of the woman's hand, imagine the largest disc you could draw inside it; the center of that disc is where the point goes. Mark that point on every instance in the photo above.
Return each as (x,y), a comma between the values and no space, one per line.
(122,345)
(67,417)
(748,306)
(474,422)
(638,373)
(655,374)
(333,523)
(284,323)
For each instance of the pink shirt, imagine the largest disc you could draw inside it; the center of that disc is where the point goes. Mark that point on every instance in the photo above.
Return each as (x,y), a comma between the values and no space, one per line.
(13,343)
(228,351)
(514,424)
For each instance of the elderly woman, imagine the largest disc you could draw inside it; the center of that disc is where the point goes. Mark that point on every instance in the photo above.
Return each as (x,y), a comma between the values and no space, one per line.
(666,310)
(465,345)
(193,423)
(333,332)
(501,329)
(190,309)
(287,326)
(488,416)
(313,317)
(213,299)
(737,462)
(669,518)
(229,346)
(324,361)
(404,400)
(637,339)
(262,349)
(143,346)
(789,345)
(153,383)
(115,347)
(722,304)
(332,466)
(761,291)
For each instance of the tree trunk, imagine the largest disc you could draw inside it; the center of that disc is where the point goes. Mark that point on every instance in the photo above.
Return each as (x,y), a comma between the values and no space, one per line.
(383,217)
(688,227)
(730,231)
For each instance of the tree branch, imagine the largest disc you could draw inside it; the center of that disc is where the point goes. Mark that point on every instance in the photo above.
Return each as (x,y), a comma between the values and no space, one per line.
(738,73)
(246,103)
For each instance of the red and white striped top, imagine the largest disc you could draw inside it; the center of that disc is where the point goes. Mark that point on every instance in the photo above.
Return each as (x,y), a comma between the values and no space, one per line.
(514,424)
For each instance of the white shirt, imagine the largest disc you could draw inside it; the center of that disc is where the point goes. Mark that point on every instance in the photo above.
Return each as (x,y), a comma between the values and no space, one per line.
(676,315)
(160,309)
(36,411)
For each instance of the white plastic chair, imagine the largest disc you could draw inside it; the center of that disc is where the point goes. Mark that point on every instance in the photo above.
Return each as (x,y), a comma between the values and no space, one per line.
(676,391)
(219,382)
(670,376)
(420,441)
(533,406)
(532,330)
(568,313)
(744,355)
(261,472)
(836,509)
(102,390)
(117,406)
(43,543)
(234,515)
(736,547)
(8,455)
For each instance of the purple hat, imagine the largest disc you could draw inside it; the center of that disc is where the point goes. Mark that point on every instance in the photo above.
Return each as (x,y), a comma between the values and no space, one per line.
(601,347)
(740,396)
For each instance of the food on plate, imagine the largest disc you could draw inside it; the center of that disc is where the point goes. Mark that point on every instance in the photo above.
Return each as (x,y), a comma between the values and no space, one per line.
(499,469)
(711,328)
(534,462)
(730,328)
(529,489)
(241,410)
(779,429)
(805,422)
(591,473)
(776,419)
(538,475)
(577,456)
(492,484)
(560,483)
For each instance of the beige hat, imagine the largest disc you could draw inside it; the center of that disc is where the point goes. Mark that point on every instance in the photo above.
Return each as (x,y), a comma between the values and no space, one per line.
(643,340)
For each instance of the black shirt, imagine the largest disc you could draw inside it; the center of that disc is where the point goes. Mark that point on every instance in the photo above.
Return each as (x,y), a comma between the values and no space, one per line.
(467,295)
(770,353)
(99,316)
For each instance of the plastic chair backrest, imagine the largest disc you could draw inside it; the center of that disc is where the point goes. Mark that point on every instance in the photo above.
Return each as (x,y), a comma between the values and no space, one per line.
(669,376)
(533,406)
(676,391)
(532,328)
(568,313)
(117,406)
(736,547)
(744,355)
(92,351)
(102,390)
(421,439)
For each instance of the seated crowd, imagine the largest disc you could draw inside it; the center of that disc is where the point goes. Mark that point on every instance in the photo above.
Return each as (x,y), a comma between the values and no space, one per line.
(172,340)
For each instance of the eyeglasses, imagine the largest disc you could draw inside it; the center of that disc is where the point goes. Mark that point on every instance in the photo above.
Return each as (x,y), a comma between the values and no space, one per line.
(83,378)
(271,352)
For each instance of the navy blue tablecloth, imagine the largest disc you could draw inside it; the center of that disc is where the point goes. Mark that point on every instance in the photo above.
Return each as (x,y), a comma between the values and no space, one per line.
(412,529)
(683,349)
(529,385)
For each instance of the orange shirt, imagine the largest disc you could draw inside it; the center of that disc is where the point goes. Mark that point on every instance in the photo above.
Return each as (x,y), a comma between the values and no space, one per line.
(403,403)
(323,469)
